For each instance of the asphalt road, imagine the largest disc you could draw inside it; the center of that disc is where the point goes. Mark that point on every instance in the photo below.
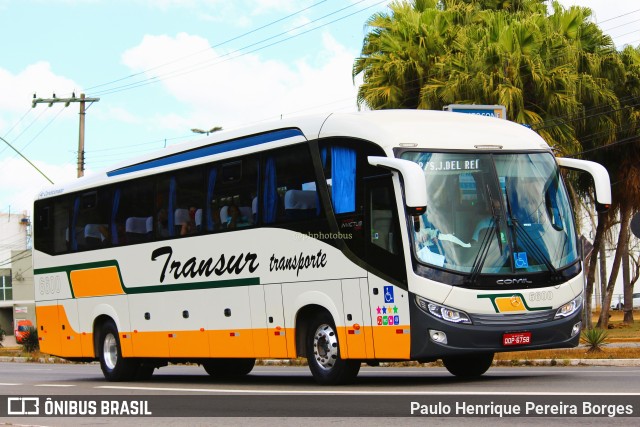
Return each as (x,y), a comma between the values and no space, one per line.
(378,397)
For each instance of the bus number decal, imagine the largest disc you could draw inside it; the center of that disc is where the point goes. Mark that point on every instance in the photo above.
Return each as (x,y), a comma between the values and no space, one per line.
(49,285)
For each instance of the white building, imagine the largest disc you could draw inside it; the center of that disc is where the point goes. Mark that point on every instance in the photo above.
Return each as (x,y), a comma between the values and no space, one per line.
(16,271)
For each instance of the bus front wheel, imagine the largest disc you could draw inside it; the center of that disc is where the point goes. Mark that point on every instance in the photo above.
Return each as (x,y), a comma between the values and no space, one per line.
(468,366)
(323,354)
(113,365)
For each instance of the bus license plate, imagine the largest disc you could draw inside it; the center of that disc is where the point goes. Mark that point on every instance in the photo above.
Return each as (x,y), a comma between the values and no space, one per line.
(519,338)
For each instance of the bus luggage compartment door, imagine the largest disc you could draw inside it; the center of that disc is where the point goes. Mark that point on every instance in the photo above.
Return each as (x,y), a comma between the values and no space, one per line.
(357,326)
(275,321)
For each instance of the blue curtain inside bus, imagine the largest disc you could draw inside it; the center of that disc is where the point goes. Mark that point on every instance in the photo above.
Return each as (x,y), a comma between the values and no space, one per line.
(74,220)
(210,186)
(172,206)
(343,179)
(323,157)
(270,192)
(114,212)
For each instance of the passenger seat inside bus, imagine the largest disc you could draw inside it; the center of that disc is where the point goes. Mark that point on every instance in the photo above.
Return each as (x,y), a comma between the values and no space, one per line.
(95,235)
(138,229)
(300,204)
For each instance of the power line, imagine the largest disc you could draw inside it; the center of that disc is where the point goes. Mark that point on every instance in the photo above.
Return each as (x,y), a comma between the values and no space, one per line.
(210,47)
(27,160)
(18,122)
(208,63)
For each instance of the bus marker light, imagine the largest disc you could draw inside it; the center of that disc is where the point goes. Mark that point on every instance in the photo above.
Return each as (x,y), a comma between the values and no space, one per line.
(356,326)
(201,329)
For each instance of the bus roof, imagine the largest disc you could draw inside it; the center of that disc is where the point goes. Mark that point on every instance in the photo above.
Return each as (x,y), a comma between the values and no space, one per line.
(421,129)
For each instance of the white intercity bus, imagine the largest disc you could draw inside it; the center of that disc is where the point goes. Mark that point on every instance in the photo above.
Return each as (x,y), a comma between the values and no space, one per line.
(343,238)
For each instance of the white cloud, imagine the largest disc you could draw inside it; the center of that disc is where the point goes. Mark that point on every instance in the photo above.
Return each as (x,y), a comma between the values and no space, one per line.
(226,91)
(17,90)
(21,182)
(117,114)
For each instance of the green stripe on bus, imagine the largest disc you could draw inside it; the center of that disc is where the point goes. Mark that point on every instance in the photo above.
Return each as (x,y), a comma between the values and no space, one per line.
(517,294)
(211,284)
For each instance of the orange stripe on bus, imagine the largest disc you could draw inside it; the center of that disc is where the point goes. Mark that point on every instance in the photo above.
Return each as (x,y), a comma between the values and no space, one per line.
(95,282)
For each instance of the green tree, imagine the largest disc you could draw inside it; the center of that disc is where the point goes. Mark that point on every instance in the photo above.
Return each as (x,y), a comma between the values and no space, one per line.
(556,71)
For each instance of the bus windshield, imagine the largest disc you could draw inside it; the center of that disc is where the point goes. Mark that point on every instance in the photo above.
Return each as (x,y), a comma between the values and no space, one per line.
(493,214)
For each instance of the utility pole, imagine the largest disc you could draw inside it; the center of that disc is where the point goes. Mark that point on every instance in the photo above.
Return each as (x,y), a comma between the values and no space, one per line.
(83,110)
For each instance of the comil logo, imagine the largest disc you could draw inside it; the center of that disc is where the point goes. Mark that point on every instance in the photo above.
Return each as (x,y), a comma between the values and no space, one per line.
(514,282)
(23,406)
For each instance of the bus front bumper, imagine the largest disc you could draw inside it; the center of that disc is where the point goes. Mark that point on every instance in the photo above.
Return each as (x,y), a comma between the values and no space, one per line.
(488,336)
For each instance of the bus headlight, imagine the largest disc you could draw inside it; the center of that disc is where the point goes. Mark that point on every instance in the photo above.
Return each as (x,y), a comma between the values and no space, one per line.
(443,312)
(569,308)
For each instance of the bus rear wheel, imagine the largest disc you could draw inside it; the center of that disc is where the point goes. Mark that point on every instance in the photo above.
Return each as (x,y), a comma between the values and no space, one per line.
(468,366)
(113,365)
(228,368)
(323,354)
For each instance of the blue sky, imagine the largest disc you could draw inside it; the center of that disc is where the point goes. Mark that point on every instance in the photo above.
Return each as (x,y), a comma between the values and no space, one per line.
(163,67)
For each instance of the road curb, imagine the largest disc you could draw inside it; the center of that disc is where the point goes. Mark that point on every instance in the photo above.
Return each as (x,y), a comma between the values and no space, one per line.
(500,363)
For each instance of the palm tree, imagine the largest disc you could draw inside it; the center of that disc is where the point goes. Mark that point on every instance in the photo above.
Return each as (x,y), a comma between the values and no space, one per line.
(555,71)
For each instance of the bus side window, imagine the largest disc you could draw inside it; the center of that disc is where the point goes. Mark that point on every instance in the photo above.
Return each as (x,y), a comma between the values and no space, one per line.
(233,194)
(189,197)
(52,225)
(132,216)
(346,169)
(90,220)
(289,186)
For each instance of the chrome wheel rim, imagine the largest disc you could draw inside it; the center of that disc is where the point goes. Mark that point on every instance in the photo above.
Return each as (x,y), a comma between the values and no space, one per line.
(110,351)
(325,346)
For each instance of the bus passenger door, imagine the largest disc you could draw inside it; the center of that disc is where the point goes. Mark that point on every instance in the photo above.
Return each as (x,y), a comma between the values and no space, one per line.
(389,304)
(276,329)
(355,298)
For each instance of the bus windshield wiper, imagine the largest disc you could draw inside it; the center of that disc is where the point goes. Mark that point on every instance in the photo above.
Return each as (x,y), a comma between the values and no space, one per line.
(529,244)
(483,252)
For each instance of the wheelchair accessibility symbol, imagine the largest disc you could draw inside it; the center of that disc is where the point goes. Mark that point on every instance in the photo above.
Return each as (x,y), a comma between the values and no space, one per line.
(388,294)
(521,259)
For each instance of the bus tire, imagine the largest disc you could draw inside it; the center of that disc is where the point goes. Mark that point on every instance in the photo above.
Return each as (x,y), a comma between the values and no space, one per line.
(468,366)
(323,353)
(113,365)
(228,368)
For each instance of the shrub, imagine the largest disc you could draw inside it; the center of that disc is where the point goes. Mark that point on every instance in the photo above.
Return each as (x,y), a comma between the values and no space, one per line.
(595,339)
(1,336)
(30,341)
